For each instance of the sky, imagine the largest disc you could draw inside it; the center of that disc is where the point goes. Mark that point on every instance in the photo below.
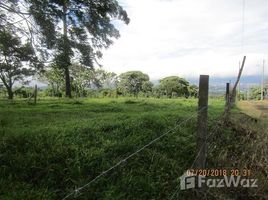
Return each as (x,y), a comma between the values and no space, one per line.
(190,37)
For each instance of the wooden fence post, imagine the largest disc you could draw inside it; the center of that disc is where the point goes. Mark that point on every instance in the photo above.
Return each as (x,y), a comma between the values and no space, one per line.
(202,121)
(227,95)
(232,95)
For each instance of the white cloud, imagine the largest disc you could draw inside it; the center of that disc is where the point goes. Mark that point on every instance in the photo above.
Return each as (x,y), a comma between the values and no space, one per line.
(189,37)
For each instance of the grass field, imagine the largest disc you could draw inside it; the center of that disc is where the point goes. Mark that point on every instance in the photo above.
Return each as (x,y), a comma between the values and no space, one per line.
(50,148)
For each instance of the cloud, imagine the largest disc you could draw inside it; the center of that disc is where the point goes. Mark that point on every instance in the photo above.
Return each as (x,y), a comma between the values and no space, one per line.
(189,37)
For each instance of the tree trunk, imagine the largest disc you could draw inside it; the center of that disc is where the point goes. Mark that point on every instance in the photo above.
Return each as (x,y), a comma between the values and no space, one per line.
(67,82)
(66,67)
(10,93)
(8,84)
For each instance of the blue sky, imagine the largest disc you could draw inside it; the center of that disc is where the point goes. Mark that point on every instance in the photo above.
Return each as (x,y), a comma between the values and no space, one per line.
(190,37)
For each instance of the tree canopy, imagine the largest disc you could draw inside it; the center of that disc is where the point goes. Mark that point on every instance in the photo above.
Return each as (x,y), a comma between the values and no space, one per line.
(174,85)
(132,81)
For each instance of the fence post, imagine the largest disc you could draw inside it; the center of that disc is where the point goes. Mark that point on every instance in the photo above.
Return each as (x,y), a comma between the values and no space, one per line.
(202,121)
(227,95)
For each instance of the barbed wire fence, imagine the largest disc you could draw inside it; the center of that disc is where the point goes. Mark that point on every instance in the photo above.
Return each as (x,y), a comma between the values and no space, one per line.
(214,131)
(202,146)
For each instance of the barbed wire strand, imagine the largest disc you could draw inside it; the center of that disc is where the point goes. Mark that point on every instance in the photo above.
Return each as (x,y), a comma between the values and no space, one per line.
(76,191)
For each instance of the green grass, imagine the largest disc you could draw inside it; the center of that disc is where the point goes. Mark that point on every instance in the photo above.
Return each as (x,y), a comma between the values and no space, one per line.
(50,148)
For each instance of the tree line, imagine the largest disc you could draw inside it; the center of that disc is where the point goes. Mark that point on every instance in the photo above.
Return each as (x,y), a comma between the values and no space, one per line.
(100,83)
(131,83)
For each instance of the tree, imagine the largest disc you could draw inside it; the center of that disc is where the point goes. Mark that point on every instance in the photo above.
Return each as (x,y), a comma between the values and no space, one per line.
(99,78)
(132,81)
(147,86)
(53,76)
(81,77)
(74,29)
(174,85)
(255,93)
(157,92)
(14,55)
(193,90)
(110,80)
(84,77)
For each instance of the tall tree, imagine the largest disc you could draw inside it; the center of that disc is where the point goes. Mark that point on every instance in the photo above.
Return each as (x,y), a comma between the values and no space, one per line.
(174,84)
(77,29)
(17,60)
(132,81)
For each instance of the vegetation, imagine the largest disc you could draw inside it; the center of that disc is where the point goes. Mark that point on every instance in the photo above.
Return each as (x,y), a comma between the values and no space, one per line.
(133,82)
(65,38)
(176,86)
(53,77)
(243,146)
(70,29)
(87,82)
(49,149)
(254,93)
(13,55)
